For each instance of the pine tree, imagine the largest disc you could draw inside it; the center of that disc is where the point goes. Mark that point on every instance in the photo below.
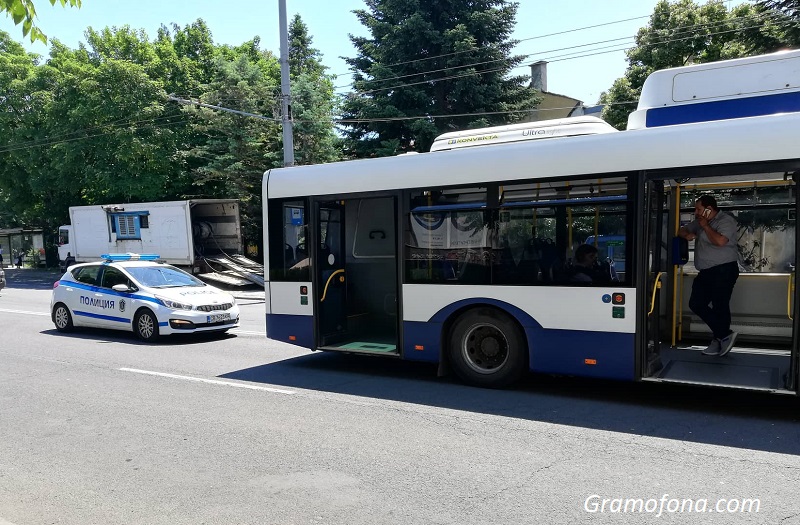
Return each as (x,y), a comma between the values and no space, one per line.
(430,68)
(313,100)
(791,9)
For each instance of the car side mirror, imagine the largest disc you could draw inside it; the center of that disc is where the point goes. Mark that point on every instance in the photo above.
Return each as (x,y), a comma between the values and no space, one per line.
(121,288)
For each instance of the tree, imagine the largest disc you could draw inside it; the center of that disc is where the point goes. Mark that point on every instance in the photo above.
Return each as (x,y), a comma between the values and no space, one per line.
(95,125)
(683,33)
(23,11)
(429,68)
(791,9)
(313,102)
(235,150)
(83,129)
(16,68)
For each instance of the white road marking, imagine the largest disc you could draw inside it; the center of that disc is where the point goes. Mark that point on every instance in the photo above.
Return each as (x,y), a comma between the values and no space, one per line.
(4,522)
(209,381)
(248,332)
(26,313)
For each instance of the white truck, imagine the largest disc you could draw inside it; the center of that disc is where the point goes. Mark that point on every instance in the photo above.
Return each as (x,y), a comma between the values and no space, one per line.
(202,236)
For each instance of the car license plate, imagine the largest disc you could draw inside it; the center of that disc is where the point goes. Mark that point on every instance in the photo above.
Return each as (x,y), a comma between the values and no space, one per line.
(215,318)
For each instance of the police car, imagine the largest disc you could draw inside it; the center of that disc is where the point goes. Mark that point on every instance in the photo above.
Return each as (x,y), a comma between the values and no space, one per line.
(135,292)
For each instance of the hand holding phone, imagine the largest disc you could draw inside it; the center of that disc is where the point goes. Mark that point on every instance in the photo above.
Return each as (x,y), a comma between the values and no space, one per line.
(707,213)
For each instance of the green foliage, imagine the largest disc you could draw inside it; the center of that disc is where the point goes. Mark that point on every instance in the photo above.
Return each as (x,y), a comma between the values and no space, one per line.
(791,24)
(94,125)
(313,101)
(236,150)
(681,33)
(429,68)
(24,12)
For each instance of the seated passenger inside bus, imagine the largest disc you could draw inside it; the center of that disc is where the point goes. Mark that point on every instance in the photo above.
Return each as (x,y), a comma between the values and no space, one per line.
(586,269)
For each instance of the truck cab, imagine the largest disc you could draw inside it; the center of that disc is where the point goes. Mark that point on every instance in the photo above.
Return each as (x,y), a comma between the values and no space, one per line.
(65,247)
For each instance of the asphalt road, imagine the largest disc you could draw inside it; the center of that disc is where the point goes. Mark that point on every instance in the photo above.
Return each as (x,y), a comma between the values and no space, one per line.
(97,427)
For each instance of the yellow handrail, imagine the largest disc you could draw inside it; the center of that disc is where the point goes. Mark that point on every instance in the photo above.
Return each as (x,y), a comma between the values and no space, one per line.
(325,291)
(789,298)
(656,286)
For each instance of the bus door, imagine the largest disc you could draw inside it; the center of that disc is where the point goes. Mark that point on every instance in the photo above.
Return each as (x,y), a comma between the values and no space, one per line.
(329,267)
(357,275)
(793,296)
(653,274)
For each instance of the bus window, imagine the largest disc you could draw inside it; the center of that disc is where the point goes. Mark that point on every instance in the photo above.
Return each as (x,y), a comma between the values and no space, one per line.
(448,237)
(612,249)
(529,239)
(288,252)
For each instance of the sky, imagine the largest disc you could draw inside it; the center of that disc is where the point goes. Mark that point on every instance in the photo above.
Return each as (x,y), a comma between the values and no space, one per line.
(583,61)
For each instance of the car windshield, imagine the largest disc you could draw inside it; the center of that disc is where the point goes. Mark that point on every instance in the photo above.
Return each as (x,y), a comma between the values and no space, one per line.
(163,277)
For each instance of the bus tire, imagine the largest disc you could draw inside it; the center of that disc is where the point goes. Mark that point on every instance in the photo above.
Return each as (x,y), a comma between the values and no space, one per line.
(145,325)
(487,348)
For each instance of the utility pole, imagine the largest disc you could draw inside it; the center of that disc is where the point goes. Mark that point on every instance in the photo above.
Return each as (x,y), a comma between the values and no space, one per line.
(286,106)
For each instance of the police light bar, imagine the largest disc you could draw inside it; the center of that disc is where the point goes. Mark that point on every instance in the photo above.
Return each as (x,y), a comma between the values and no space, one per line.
(116,257)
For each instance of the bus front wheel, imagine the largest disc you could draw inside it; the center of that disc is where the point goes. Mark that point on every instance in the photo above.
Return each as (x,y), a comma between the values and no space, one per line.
(487,348)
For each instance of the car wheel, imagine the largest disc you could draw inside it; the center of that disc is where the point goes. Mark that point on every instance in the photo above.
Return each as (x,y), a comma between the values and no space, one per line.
(488,348)
(62,318)
(145,325)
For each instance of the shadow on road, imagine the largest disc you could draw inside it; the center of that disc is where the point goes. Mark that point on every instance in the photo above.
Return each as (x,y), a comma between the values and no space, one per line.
(749,420)
(27,278)
(103,335)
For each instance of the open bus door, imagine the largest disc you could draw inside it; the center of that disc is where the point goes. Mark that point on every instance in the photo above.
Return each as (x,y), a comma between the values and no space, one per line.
(331,277)
(793,296)
(356,275)
(763,199)
(653,256)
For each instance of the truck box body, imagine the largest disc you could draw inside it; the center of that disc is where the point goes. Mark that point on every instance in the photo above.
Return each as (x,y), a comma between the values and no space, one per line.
(180,232)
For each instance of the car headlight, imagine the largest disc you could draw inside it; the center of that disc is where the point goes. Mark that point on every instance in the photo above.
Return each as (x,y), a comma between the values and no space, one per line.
(175,305)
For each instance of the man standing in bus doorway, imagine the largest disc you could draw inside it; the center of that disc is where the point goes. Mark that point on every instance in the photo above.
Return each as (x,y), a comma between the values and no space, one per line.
(716,257)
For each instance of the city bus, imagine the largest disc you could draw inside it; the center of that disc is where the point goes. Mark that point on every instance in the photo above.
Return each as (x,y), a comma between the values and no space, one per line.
(462,257)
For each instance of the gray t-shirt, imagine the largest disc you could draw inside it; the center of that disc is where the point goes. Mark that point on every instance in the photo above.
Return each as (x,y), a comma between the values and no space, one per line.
(706,253)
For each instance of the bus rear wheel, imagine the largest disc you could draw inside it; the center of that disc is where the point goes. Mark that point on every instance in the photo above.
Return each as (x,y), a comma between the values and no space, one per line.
(487,348)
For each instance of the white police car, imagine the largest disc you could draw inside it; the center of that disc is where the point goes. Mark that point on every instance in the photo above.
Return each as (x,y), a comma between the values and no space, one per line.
(134,292)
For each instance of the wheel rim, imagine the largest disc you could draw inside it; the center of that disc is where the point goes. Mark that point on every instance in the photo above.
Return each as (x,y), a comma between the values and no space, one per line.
(62,317)
(146,326)
(484,348)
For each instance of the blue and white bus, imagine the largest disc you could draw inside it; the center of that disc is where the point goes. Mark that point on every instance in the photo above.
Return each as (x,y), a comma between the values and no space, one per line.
(463,257)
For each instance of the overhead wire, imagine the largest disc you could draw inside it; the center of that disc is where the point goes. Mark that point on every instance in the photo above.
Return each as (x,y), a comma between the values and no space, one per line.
(678,31)
(398,86)
(536,37)
(50,140)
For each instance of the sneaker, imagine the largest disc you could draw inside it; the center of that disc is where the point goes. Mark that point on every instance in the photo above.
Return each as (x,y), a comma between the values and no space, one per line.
(714,348)
(727,343)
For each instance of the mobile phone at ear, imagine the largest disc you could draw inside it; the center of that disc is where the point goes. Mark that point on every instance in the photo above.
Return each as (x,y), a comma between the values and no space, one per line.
(706,212)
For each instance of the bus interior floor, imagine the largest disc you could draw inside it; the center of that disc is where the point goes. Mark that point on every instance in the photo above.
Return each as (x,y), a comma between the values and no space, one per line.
(366,342)
(741,367)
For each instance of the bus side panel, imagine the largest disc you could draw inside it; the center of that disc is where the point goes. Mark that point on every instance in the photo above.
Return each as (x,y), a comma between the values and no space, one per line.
(422,341)
(570,330)
(569,352)
(283,328)
(606,355)
(290,313)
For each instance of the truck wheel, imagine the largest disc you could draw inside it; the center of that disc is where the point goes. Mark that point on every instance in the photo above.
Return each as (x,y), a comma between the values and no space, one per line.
(62,318)
(487,348)
(145,325)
